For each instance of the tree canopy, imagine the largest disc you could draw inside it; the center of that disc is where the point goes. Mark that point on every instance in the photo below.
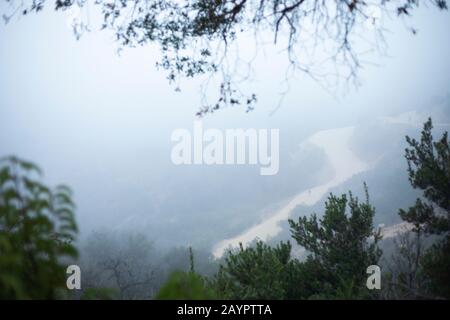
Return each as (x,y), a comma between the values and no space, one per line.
(200,37)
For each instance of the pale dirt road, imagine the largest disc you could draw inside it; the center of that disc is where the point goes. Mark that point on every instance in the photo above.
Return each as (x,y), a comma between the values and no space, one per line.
(336,144)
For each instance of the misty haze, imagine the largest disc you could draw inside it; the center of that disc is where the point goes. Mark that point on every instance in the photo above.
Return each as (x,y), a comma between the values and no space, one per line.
(195,148)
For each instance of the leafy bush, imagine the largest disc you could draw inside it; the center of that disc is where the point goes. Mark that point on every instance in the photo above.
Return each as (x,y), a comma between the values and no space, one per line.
(37,229)
(258,272)
(185,285)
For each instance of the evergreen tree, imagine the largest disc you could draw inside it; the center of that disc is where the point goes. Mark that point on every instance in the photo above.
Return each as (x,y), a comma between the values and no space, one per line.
(341,245)
(429,170)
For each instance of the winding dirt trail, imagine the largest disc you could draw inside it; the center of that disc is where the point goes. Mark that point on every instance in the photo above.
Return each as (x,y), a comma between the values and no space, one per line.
(336,145)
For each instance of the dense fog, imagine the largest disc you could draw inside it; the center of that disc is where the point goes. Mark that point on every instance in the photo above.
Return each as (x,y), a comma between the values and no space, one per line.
(100,120)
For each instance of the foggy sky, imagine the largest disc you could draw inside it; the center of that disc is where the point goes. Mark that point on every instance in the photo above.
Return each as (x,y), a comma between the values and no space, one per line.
(80,110)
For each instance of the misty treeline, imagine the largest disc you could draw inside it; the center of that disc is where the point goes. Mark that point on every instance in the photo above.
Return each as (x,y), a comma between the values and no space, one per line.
(38,241)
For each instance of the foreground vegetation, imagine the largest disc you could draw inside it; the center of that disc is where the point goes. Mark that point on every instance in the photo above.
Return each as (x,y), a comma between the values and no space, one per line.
(38,237)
